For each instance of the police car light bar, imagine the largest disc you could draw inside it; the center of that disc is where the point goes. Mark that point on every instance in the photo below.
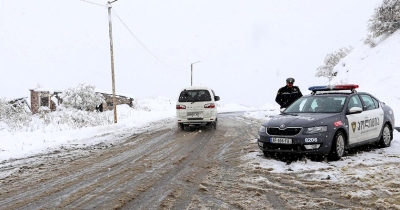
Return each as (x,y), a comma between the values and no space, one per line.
(333,87)
(346,87)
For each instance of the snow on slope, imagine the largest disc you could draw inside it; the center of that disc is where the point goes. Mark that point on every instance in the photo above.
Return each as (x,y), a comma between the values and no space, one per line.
(376,70)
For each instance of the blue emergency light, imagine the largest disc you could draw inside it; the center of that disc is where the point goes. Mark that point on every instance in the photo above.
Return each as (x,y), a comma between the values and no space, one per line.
(333,87)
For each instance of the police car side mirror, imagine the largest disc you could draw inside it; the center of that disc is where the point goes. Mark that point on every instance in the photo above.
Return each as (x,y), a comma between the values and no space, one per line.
(216,98)
(355,110)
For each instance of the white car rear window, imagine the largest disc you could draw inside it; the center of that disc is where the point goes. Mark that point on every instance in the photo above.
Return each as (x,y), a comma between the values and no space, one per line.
(194,95)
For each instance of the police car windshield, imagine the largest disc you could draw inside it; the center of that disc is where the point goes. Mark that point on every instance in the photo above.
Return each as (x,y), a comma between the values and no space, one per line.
(317,104)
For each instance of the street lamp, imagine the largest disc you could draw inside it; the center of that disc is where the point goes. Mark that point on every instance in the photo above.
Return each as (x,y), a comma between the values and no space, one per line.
(191,73)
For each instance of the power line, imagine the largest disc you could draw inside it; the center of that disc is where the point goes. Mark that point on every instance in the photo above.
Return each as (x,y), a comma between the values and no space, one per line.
(134,34)
(93,3)
(143,44)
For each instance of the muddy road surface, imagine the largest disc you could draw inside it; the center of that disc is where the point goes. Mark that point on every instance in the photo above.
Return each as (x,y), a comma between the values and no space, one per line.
(166,168)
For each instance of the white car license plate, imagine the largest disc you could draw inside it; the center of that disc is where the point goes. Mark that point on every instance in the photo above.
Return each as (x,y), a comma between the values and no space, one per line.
(193,114)
(280,140)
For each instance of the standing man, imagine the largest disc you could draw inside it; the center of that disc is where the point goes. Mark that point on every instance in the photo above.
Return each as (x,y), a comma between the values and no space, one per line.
(287,94)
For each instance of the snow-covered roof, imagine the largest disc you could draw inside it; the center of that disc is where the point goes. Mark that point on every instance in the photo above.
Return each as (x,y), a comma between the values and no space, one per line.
(196,88)
(45,90)
(117,94)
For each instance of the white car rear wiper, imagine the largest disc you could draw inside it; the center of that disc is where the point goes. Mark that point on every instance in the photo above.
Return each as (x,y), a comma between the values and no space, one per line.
(289,114)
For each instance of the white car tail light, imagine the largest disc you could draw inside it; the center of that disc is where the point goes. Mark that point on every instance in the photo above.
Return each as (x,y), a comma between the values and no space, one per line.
(210,105)
(180,107)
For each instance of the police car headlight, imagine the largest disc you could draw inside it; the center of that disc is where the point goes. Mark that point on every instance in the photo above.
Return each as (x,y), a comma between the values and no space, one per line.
(316,129)
(262,129)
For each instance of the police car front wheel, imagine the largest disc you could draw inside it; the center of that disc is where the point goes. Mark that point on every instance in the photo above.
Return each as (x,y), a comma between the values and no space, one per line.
(386,136)
(337,149)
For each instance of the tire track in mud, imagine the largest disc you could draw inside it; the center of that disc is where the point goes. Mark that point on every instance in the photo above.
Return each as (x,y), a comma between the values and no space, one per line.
(225,191)
(150,167)
(153,197)
(270,200)
(125,177)
(184,187)
(197,194)
(45,194)
(209,178)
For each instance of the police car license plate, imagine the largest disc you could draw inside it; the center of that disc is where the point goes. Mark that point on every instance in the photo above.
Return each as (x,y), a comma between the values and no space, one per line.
(280,140)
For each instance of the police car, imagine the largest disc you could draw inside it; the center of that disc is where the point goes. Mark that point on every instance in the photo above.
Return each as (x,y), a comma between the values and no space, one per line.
(327,122)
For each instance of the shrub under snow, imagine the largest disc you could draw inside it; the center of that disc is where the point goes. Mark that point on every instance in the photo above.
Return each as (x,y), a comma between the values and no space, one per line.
(82,97)
(13,117)
(386,18)
(331,60)
(62,119)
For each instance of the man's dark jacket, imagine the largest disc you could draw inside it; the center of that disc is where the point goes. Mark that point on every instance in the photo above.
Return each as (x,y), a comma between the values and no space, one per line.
(287,95)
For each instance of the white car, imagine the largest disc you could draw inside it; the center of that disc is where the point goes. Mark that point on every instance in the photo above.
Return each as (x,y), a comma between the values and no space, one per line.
(197,106)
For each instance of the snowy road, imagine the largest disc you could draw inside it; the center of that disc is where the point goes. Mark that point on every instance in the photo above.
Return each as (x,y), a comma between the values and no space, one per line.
(172,169)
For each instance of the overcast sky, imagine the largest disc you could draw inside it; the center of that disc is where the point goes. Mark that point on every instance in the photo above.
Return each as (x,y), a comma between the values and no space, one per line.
(247,48)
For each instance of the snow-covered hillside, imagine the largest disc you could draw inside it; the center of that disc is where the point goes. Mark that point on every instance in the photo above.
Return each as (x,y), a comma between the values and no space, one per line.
(375,69)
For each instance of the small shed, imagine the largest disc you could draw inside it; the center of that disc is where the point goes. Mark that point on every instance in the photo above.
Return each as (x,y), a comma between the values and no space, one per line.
(120,99)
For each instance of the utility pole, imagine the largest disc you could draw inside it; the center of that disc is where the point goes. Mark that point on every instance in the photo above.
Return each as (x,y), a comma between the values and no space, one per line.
(112,60)
(191,73)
